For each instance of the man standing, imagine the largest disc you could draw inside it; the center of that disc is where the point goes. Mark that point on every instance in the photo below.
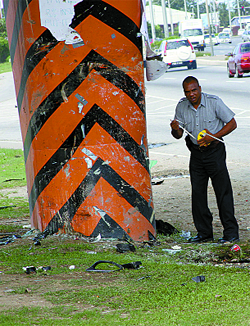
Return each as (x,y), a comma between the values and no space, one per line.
(196,112)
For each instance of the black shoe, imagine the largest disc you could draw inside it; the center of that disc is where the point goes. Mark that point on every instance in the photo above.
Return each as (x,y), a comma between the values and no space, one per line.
(224,240)
(199,239)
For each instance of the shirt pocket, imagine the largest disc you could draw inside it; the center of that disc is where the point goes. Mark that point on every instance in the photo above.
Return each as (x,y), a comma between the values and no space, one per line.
(210,119)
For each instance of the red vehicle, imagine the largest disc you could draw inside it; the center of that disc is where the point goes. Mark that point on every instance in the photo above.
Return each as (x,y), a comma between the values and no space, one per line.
(239,61)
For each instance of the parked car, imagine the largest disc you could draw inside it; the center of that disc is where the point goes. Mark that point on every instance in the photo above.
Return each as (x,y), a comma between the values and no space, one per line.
(215,39)
(227,30)
(246,36)
(178,53)
(239,60)
(224,37)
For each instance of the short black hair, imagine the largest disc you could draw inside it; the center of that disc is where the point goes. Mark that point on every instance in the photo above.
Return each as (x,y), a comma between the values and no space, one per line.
(190,79)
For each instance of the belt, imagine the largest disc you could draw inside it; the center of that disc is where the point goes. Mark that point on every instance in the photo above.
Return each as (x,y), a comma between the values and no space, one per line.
(205,148)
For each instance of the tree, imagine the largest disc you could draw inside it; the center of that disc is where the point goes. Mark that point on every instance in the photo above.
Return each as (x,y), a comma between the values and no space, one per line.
(4,46)
(223,14)
(3,31)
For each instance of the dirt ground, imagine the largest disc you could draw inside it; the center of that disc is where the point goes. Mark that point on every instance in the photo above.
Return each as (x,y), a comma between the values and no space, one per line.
(172,198)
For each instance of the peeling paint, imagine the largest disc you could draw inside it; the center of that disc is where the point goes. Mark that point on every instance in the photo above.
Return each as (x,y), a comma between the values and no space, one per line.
(83,131)
(66,170)
(102,213)
(106,163)
(89,162)
(89,153)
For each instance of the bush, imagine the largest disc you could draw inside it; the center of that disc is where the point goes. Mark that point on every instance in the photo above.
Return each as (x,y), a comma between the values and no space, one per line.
(4,49)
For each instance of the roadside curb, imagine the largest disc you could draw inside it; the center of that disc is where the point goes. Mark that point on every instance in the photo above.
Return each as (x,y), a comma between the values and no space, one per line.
(212,61)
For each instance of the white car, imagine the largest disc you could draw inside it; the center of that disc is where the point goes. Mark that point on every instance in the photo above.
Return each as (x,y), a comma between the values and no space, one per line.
(245,36)
(224,37)
(240,31)
(215,39)
(178,53)
(227,30)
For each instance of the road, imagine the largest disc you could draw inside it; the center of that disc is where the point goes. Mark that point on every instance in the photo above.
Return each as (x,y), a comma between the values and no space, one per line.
(10,134)
(163,95)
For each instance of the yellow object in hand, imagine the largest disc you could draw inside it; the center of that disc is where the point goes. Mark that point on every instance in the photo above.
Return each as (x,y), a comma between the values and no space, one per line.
(201,135)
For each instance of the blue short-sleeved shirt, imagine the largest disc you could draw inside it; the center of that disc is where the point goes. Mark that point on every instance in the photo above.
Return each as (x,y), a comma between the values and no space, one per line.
(212,114)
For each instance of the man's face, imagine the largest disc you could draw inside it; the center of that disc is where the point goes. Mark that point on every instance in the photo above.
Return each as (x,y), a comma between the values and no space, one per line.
(193,93)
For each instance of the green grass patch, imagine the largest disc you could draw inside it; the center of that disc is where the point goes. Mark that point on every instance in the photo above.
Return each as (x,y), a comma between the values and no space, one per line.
(12,168)
(5,67)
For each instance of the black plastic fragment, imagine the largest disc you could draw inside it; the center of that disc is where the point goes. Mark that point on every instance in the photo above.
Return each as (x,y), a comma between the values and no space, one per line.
(199,279)
(165,228)
(30,269)
(134,265)
(124,247)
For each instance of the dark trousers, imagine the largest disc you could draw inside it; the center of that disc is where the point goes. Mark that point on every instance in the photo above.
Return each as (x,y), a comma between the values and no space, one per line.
(211,163)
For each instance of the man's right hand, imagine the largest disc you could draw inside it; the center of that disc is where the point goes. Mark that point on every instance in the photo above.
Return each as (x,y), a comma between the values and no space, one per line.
(176,130)
(175,125)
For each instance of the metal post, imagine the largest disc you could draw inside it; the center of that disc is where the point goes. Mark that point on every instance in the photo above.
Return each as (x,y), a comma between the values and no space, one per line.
(82,115)
(165,19)
(209,30)
(171,20)
(238,8)
(198,10)
(229,15)
(185,6)
(152,20)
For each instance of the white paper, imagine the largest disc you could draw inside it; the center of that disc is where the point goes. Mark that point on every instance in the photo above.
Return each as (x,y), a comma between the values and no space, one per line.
(56,15)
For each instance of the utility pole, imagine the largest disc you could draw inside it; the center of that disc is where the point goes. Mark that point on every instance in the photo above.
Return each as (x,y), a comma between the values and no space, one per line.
(229,15)
(171,20)
(209,30)
(152,20)
(165,19)
(198,10)
(238,7)
(185,6)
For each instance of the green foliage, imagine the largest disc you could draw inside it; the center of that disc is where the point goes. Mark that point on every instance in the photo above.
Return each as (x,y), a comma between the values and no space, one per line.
(3,31)
(4,49)
(4,46)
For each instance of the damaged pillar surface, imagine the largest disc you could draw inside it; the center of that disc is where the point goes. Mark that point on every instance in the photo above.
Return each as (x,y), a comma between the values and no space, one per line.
(79,81)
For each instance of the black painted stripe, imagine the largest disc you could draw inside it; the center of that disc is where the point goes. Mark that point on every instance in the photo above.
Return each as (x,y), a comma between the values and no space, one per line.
(68,211)
(72,82)
(46,42)
(38,50)
(109,16)
(65,152)
(22,5)
(5,7)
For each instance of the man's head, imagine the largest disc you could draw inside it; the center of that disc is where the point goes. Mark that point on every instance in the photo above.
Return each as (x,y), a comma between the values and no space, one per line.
(192,90)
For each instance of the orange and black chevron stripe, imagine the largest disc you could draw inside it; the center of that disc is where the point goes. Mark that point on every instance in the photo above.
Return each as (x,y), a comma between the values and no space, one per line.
(82,116)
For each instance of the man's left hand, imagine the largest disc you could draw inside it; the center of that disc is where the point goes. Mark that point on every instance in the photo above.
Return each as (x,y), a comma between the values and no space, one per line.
(206,139)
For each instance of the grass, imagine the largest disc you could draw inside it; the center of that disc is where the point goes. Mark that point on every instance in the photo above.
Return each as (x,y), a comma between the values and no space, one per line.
(12,175)
(5,67)
(160,292)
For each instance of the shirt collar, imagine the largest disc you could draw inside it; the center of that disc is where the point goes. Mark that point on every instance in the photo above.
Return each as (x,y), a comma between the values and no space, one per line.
(201,103)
